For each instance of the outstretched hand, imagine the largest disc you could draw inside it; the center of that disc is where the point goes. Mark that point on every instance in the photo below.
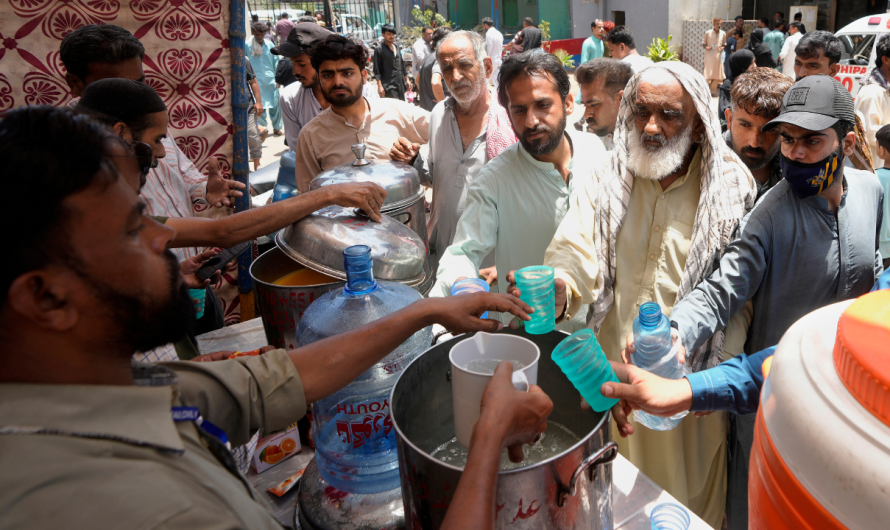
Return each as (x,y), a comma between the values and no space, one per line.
(641,390)
(221,191)
(517,416)
(403,150)
(460,314)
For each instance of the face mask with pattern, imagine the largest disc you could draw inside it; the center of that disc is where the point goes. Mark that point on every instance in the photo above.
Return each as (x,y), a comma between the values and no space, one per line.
(809,179)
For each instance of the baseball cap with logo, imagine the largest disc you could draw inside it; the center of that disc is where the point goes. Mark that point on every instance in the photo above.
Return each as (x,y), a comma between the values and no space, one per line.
(301,39)
(815,103)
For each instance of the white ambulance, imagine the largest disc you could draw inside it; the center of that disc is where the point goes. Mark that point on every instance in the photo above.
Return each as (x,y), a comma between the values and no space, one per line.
(859,39)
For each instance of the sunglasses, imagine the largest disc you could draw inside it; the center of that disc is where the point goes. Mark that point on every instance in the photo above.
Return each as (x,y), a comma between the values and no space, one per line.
(143,154)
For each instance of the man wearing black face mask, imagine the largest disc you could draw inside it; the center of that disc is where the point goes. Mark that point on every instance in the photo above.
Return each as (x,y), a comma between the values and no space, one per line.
(811,241)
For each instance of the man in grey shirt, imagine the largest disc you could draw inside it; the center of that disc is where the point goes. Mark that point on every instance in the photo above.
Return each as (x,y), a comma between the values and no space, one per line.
(809,242)
(467,131)
(430,84)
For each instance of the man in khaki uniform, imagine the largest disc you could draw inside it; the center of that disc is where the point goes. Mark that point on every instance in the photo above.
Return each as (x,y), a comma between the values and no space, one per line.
(89,440)
(668,202)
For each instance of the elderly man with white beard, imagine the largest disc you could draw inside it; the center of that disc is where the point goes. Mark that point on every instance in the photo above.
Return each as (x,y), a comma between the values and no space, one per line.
(467,130)
(668,203)
(517,201)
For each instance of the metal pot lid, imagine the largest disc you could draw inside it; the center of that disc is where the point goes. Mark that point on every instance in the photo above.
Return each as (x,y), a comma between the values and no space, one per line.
(399,179)
(318,241)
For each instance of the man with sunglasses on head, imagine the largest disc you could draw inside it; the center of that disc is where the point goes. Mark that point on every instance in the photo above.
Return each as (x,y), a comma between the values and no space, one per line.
(126,105)
(95,52)
(326,141)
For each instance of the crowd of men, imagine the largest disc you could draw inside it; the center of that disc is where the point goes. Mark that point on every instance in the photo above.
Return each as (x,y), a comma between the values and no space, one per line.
(736,223)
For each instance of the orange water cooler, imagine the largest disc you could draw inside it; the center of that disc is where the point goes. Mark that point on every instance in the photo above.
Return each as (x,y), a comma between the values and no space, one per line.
(821,454)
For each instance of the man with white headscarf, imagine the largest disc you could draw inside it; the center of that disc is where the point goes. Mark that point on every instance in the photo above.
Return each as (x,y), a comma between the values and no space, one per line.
(669,200)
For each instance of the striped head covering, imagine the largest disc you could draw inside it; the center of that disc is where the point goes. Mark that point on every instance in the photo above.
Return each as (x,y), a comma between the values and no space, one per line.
(728,191)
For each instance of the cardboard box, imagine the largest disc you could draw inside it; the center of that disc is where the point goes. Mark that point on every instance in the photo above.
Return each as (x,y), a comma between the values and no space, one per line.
(276,448)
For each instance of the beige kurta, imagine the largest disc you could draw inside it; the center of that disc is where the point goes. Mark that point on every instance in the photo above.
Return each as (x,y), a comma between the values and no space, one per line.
(713,65)
(690,461)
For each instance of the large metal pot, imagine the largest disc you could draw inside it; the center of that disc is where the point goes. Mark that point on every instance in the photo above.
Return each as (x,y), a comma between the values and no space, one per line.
(404,201)
(279,304)
(572,490)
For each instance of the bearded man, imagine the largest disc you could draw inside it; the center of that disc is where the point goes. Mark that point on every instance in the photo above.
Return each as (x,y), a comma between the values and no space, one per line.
(517,201)
(756,99)
(668,203)
(326,141)
(466,132)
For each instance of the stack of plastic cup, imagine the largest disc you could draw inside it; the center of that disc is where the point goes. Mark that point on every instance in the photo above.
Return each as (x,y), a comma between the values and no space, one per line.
(669,516)
(581,358)
(470,285)
(537,289)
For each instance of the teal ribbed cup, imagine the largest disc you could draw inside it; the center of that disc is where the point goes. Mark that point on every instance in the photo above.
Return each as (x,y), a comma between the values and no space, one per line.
(581,358)
(537,289)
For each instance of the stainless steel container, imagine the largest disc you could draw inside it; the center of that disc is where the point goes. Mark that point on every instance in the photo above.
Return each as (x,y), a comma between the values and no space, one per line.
(322,507)
(572,490)
(280,304)
(404,201)
(318,241)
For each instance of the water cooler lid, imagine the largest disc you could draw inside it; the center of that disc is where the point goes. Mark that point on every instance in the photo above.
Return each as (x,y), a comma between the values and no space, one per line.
(400,180)
(860,352)
(317,241)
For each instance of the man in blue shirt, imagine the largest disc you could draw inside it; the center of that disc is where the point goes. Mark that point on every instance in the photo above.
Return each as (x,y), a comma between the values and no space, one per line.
(593,46)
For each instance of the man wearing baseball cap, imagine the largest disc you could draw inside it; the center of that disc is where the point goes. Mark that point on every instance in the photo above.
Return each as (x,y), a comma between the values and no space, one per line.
(302,101)
(811,241)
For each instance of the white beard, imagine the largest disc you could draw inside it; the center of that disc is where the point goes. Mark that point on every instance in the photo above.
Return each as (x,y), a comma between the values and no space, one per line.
(256,48)
(655,163)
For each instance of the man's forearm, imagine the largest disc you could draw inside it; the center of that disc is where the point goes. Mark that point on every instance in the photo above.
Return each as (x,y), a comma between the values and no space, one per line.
(328,365)
(247,225)
(473,505)
(438,89)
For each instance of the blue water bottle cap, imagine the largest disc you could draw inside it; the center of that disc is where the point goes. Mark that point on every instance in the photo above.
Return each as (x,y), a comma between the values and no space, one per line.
(359,270)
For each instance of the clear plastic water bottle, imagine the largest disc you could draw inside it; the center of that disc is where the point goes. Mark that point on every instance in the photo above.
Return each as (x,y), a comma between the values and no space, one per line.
(286,183)
(652,352)
(354,439)
(468,286)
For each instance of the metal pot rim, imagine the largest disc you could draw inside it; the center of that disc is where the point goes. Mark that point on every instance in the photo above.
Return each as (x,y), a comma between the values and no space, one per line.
(606,418)
(275,285)
(306,262)
(404,203)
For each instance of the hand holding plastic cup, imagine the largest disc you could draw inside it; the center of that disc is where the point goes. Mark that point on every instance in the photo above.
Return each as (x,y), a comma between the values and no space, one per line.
(582,360)
(537,288)
(199,298)
(473,362)
(470,285)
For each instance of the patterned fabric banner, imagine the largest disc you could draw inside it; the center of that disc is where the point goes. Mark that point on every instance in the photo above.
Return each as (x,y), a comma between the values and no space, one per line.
(187,61)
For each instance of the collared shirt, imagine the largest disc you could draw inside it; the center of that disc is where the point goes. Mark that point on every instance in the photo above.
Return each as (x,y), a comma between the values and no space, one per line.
(791,256)
(637,62)
(118,446)
(787,55)
(873,103)
(283,28)
(450,170)
(514,206)
(329,138)
(884,178)
(494,45)
(389,67)
(419,51)
(172,187)
(298,107)
(651,250)
(591,49)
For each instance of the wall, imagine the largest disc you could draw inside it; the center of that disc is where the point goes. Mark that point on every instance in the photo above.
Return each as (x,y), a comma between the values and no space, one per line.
(585,12)
(645,19)
(681,10)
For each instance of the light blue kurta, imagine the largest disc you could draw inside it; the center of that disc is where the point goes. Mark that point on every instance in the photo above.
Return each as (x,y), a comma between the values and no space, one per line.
(514,206)
(264,68)
(591,49)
